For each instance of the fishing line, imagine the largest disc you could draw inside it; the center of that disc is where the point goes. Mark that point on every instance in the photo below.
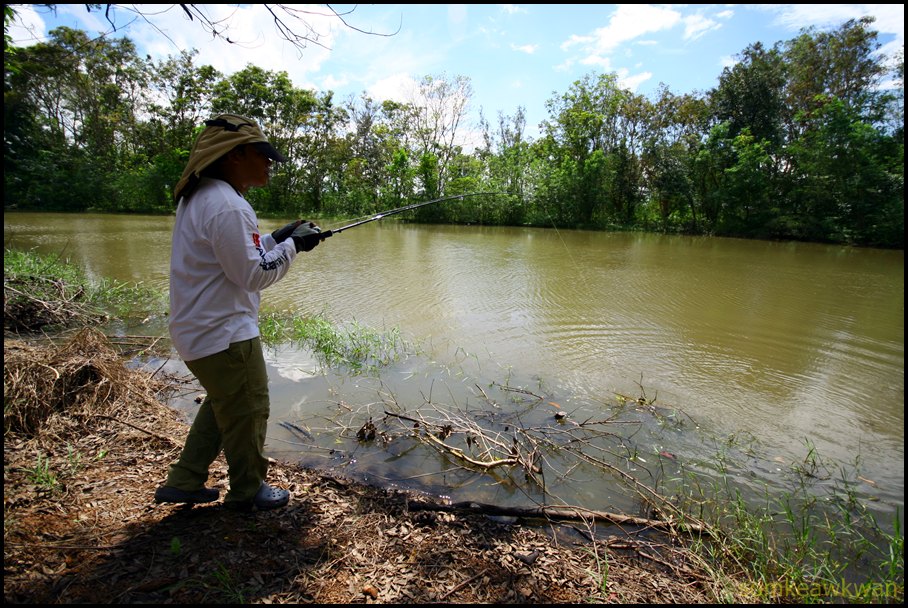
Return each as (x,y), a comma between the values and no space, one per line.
(378,216)
(563,243)
(384,214)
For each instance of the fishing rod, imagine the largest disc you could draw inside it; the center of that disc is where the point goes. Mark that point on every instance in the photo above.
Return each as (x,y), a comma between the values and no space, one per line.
(384,214)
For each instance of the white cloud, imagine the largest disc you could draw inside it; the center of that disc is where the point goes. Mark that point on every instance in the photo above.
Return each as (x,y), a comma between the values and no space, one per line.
(529,49)
(574,40)
(889,18)
(632,21)
(696,26)
(332,82)
(565,66)
(27,28)
(512,9)
(398,87)
(458,21)
(632,83)
(603,63)
(627,23)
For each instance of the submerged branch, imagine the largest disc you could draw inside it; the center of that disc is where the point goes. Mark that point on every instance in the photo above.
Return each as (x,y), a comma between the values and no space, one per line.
(458,453)
(568,513)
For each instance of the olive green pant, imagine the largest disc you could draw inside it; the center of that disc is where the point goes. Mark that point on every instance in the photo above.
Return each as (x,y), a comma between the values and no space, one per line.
(233,417)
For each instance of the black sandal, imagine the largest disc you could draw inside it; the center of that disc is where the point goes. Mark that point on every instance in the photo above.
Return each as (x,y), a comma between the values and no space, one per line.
(169,494)
(267,497)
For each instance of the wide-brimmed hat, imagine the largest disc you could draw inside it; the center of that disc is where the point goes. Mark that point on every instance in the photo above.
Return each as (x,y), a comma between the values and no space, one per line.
(221,135)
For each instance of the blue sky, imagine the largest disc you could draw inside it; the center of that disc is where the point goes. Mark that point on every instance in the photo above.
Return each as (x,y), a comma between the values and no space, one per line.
(514,55)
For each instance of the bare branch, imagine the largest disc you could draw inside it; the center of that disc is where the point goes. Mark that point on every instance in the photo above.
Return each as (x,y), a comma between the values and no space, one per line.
(370,32)
(293,24)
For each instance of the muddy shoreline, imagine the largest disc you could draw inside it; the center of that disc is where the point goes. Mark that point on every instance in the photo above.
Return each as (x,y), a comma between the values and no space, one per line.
(81,525)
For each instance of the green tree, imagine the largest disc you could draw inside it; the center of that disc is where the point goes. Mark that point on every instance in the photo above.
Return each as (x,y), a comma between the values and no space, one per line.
(710,174)
(182,95)
(750,95)
(670,184)
(321,144)
(507,156)
(847,186)
(401,176)
(581,133)
(397,119)
(285,114)
(840,63)
(747,189)
(439,107)
(673,141)
(373,145)
(749,101)
(88,94)
(180,99)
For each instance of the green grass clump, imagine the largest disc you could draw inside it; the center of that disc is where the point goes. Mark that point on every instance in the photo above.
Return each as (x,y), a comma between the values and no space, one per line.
(18,263)
(814,541)
(46,293)
(359,348)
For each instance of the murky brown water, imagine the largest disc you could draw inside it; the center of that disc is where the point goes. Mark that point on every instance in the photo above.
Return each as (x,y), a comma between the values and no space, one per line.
(792,345)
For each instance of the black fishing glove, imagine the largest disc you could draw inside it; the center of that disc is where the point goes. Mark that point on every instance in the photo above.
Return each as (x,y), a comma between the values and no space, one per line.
(306,236)
(282,234)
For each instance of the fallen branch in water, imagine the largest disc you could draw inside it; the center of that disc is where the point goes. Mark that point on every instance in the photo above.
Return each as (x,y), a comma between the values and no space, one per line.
(458,453)
(567,513)
(512,458)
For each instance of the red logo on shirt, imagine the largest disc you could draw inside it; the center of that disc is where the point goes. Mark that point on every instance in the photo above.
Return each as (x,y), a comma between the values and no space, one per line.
(256,239)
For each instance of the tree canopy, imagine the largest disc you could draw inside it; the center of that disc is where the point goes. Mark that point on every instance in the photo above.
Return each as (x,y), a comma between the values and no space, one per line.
(797,141)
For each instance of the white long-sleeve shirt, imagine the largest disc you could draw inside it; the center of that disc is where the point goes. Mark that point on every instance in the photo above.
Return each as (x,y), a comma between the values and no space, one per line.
(218,265)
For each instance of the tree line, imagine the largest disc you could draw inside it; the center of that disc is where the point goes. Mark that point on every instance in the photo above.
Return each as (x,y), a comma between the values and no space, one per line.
(798,141)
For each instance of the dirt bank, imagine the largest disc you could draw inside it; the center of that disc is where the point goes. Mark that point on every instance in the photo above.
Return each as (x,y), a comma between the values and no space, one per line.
(87,440)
